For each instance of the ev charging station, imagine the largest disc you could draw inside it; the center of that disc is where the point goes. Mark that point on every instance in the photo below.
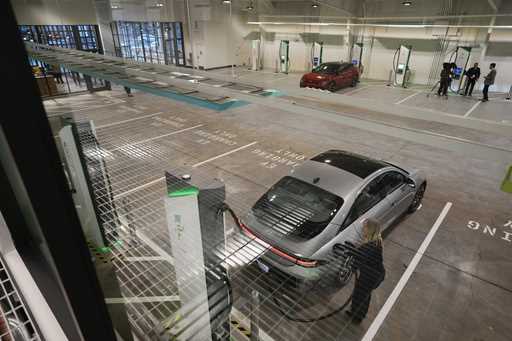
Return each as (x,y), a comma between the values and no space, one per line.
(284,56)
(197,236)
(356,55)
(460,57)
(85,166)
(255,55)
(317,50)
(399,76)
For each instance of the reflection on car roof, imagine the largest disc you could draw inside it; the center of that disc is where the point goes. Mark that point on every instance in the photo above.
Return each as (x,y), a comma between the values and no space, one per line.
(356,164)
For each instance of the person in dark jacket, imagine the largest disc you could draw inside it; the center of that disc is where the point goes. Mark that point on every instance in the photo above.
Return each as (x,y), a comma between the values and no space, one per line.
(369,263)
(128,91)
(472,74)
(488,81)
(445,80)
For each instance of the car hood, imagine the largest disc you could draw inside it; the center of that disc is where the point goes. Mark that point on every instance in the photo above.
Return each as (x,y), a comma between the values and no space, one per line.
(290,244)
(315,77)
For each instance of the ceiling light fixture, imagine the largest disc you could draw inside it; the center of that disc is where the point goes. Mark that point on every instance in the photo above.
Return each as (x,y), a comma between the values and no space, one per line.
(314,5)
(159,4)
(226,2)
(407,3)
(496,27)
(250,7)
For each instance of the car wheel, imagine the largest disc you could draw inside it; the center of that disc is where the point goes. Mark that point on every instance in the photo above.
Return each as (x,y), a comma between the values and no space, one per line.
(354,82)
(332,87)
(418,197)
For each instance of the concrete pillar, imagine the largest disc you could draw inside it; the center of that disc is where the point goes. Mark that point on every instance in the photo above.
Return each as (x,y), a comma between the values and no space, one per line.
(103,11)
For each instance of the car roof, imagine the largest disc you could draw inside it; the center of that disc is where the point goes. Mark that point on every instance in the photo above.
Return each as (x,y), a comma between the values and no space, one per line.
(331,179)
(335,63)
(358,165)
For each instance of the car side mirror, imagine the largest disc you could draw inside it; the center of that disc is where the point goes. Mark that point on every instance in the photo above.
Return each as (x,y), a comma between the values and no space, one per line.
(410,182)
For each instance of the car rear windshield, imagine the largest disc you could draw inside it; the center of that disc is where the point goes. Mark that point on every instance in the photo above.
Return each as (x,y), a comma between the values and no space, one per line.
(295,208)
(331,68)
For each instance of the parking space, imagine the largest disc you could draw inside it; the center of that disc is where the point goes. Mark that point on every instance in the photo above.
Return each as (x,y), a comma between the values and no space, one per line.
(250,148)
(498,110)
(415,97)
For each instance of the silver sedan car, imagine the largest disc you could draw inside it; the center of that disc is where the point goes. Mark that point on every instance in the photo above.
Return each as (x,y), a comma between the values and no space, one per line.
(323,203)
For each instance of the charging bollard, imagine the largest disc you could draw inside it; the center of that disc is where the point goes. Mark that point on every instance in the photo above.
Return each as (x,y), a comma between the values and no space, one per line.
(255,311)
(197,238)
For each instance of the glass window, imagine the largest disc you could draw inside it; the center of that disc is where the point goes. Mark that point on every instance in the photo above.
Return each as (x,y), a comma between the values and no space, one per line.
(392,181)
(371,195)
(294,207)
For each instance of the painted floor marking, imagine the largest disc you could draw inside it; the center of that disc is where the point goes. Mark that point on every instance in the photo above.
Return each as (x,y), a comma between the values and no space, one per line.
(159,251)
(225,154)
(157,137)
(355,90)
(135,189)
(129,120)
(408,97)
(145,259)
(472,108)
(120,195)
(88,108)
(244,320)
(142,299)
(386,308)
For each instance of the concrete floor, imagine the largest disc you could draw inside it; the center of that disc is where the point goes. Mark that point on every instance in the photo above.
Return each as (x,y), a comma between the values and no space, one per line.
(414,97)
(461,289)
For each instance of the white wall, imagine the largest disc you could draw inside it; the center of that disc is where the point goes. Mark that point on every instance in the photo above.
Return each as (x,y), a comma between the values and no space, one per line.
(301,40)
(54,12)
(380,45)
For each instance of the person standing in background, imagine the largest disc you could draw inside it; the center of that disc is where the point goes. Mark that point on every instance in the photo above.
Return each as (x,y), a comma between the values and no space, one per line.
(488,81)
(472,74)
(56,73)
(128,91)
(444,82)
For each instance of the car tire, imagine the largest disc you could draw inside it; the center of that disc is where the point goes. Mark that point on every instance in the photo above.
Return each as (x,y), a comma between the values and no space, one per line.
(332,87)
(354,82)
(418,197)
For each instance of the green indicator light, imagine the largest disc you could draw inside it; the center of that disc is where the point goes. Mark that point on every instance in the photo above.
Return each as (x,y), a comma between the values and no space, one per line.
(183,192)
(104,249)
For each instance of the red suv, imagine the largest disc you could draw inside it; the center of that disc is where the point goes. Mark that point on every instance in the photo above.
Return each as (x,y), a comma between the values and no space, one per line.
(331,76)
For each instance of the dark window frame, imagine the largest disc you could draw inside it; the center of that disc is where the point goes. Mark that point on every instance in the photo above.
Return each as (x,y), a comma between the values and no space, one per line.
(149,41)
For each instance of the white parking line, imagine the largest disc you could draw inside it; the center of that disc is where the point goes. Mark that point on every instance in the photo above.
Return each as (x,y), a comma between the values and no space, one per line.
(131,119)
(386,308)
(355,90)
(120,195)
(157,137)
(159,251)
(117,196)
(222,155)
(408,97)
(142,299)
(472,108)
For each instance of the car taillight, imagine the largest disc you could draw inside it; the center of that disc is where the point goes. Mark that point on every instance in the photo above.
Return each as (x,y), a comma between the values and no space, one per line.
(307,263)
